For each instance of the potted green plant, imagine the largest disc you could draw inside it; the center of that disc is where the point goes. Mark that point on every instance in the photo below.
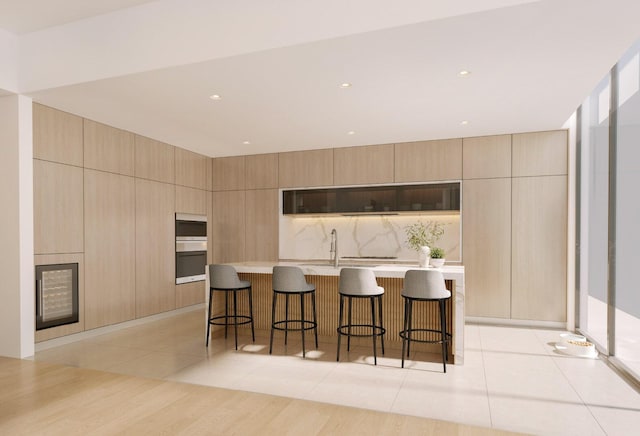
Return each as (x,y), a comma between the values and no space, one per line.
(421,236)
(437,257)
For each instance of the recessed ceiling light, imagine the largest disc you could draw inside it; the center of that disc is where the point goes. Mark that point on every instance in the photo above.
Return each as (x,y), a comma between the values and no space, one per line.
(464,122)
(351,132)
(345,85)
(246,142)
(215,97)
(464,73)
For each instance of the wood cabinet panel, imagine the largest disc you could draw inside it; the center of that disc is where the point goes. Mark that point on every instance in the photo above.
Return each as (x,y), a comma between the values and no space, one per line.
(155,247)
(76,327)
(57,208)
(188,294)
(539,248)
(486,157)
(228,226)
(428,161)
(190,200)
(191,169)
(540,153)
(110,254)
(108,149)
(261,225)
(228,173)
(261,171)
(57,136)
(360,165)
(299,169)
(154,160)
(486,247)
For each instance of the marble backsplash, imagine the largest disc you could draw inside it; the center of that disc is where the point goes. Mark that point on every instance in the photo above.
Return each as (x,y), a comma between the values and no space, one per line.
(362,236)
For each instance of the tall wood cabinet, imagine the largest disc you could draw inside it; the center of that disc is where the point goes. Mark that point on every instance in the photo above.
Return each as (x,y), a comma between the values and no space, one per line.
(110,255)
(228,226)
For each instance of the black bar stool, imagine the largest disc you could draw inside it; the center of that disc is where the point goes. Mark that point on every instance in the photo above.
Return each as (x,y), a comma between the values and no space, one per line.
(360,283)
(288,280)
(424,285)
(224,278)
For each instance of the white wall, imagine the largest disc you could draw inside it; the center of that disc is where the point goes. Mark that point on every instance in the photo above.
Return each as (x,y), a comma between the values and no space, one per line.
(8,61)
(16,228)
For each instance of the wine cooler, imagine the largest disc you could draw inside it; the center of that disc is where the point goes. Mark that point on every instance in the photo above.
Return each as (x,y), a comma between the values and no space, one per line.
(56,295)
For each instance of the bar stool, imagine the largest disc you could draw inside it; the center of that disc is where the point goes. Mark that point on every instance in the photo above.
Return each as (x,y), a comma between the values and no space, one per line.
(224,278)
(289,280)
(360,283)
(424,285)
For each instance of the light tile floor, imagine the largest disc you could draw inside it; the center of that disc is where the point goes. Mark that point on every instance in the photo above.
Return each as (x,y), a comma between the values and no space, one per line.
(512,379)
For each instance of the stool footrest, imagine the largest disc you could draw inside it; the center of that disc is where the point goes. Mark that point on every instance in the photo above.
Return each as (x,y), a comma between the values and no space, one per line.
(403,335)
(377,330)
(305,325)
(236,320)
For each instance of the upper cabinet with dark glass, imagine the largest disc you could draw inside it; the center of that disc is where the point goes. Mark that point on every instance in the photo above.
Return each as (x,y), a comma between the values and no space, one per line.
(433,197)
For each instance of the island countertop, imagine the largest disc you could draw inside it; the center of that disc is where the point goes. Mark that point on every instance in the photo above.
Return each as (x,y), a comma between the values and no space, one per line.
(383,271)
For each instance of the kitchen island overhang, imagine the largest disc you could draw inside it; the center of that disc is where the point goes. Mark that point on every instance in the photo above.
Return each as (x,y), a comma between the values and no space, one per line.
(391,276)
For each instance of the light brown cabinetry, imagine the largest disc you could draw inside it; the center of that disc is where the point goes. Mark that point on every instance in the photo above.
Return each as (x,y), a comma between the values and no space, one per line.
(261,225)
(540,153)
(57,136)
(486,247)
(228,173)
(486,157)
(110,254)
(261,171)
(361,165)
(228,226)
(190,200)
(154,160)
(188,294)
(57,208)
(299,169)
(108,149)
(155,247)
(539,248)
(191,169)
(426,161)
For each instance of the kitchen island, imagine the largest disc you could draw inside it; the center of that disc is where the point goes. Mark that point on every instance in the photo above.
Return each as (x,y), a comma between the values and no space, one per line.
(389,276)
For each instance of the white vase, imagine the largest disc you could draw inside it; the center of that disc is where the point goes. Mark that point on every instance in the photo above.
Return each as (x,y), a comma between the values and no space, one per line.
(436,263)
(423,256)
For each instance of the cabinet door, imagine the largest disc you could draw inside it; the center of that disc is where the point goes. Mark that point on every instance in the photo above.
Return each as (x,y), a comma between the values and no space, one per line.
(262,225)
(190,200)
(300,169)
(486,157)
(155,247)
(539,248)
(107,148)
(261,171)
(109,208)
(228,173)
(154,160)
(191,169)
(57,208)
(57,136)
(486,220)
(228,226)
(360,165)
(540,153)
(428,161)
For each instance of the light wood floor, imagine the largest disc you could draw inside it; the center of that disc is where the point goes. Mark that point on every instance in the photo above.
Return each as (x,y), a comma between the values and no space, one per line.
(44,398)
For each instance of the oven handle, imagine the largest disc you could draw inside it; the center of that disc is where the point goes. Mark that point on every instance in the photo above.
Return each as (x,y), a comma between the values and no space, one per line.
(40,298)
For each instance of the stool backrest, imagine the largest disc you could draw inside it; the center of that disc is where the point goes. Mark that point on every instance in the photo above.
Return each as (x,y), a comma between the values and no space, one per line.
(358,281)
(289,278)
(429,284)
(223,277)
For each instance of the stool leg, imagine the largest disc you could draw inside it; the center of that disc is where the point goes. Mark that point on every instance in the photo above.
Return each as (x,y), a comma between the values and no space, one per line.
(339,326)
(253,333)
(286,317)
(235,316)
(209,315)
(373,328)
(315,318)
(404,329)
(273,320)
(226,312)
(409,327)
(381,323)
(443,333)
(302,322)
(349,325)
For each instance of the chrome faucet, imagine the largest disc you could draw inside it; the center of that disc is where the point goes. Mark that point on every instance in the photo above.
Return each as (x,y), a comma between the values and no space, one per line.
(333,252)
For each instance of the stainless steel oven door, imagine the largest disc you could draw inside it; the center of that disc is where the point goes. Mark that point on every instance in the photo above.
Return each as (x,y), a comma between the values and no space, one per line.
(191,259)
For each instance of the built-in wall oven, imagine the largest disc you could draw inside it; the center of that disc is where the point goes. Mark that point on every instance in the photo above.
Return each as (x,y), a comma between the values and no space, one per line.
(191,247)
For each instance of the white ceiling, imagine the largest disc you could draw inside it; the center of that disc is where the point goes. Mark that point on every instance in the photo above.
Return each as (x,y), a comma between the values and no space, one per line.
(531,63)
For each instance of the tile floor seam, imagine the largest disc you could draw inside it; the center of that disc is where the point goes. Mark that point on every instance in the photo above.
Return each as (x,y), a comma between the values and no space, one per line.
(484,371)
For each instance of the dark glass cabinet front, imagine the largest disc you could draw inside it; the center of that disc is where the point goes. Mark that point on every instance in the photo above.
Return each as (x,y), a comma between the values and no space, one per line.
(56,295)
